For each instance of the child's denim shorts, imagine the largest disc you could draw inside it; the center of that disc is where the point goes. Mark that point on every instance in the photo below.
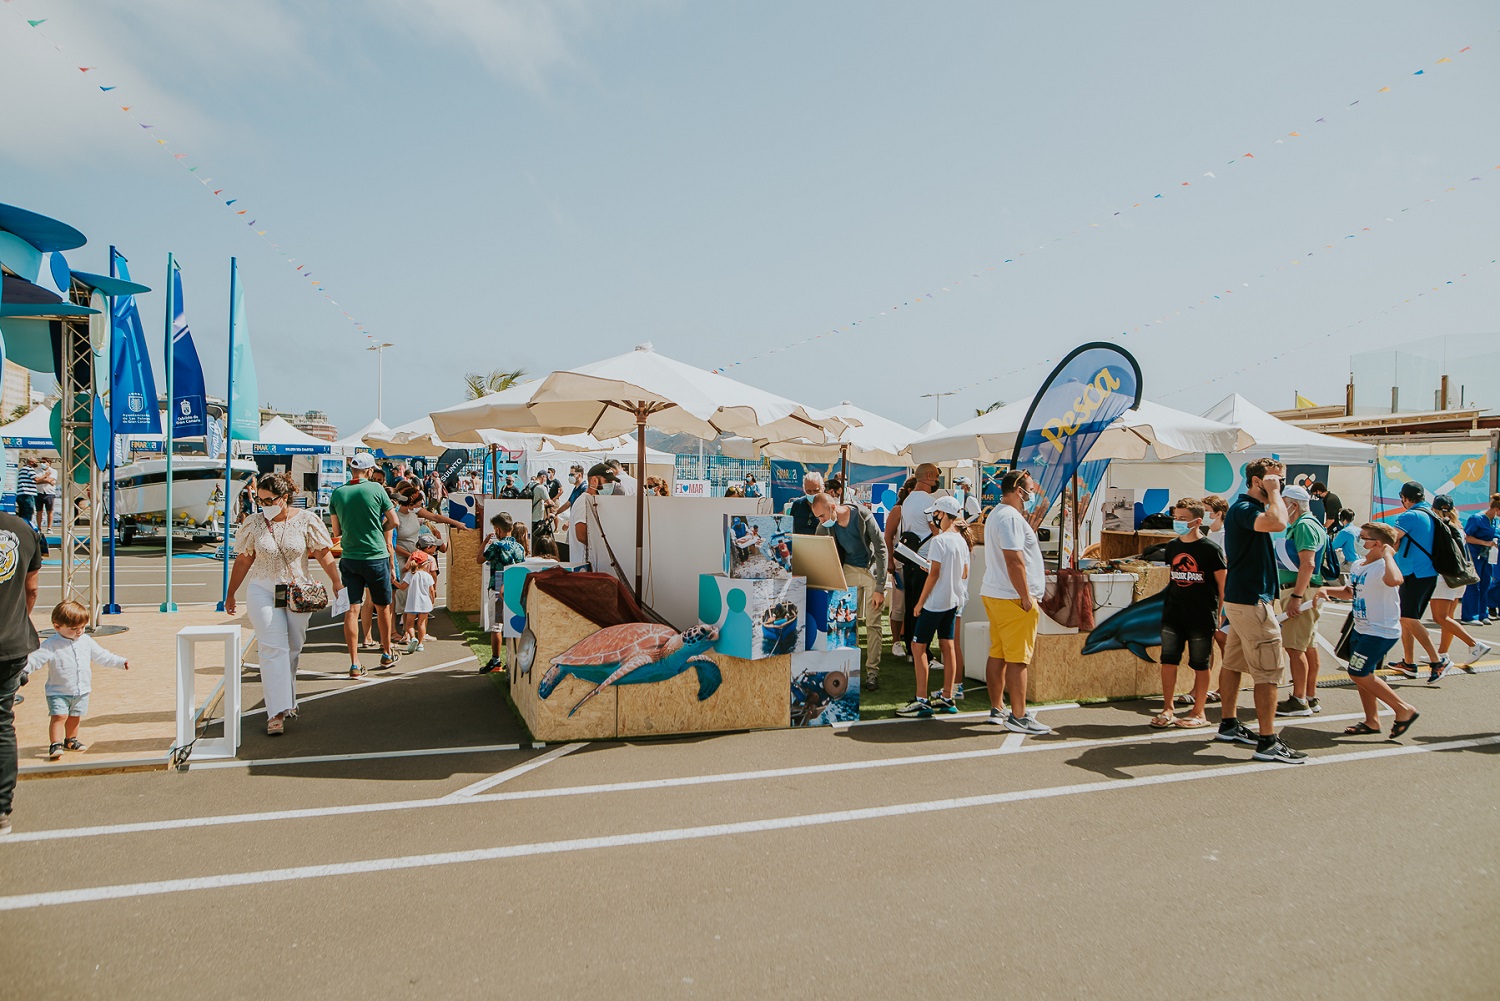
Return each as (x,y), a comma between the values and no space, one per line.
(67,705)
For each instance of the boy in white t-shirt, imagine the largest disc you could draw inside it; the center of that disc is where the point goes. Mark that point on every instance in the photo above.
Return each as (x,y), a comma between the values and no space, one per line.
(938,605)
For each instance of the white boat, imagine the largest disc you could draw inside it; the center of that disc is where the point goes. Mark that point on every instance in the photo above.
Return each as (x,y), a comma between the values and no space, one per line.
(197,490)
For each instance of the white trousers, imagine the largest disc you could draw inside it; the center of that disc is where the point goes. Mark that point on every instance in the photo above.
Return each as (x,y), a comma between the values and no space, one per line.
(279,633)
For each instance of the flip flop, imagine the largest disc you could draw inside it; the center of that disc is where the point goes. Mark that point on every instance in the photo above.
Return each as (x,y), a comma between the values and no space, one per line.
(1402,725)
(1193,723)
(1360,729)
(1163,722)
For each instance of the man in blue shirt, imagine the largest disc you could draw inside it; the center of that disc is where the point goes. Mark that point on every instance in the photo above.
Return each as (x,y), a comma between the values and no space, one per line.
(1482,534)
(1251,586)
(1415,527)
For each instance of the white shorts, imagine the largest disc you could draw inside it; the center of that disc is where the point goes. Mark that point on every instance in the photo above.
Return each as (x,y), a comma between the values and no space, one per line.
(1446,593)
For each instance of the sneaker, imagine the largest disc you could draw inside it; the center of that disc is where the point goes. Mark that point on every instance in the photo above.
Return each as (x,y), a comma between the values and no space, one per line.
(4,824)
(937,693)
(872,683)
(1026,724)
(1275,749)
(1314,704)
(1232,731)
(1478,651)
(1293,706)
(916,708)
(492,664)
(411,645)
(945,706)
(54,752)
(1439,670)
(898,649)
(388,660)
(1407,671)
(999,717)
(356,672)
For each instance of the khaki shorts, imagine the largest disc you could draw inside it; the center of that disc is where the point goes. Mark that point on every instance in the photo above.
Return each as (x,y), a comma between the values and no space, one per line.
(1254,644)
(1012,631)
(1300,631)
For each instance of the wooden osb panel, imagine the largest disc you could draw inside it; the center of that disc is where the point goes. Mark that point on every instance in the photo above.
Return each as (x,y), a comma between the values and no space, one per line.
(464,574)
(755,695)
(1148,676)
(1061,673)
(557,628)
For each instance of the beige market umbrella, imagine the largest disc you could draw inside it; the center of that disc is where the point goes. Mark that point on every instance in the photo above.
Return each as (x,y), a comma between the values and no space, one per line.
(870,438)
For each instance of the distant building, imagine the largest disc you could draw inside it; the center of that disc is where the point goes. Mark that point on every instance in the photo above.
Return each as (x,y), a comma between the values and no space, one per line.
(314,422)
(16,391)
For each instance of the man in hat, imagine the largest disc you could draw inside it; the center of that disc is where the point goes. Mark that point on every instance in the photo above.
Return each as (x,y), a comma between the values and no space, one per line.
(601,481)
(1298,560)
(364,519)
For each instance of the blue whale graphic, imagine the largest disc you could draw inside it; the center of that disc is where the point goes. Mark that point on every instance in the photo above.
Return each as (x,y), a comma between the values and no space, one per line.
(1133,628)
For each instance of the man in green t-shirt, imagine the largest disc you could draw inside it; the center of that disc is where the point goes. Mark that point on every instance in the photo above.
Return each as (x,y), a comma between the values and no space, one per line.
(363,520)
(1298,564)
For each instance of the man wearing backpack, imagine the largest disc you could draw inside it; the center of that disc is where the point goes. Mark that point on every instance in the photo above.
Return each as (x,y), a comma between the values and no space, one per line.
(1299,565)
(1416,527)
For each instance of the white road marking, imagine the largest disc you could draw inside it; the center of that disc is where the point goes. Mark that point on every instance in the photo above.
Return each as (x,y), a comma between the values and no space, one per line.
(637,785)
(312,759)
(368,683)
(91,894)
(947,718)
(476,788)
(1013,741)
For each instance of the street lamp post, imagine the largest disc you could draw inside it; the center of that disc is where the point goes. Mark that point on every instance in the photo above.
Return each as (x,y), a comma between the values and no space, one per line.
(937,403)
(379,349)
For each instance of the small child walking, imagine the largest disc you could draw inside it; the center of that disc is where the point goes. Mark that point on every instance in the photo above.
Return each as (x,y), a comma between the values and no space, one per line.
(421,595)
(69,655)
(500,550)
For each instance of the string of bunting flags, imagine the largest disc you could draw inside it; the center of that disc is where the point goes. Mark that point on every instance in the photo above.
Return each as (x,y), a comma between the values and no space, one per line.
(1221,296)
(1304,341)
(184,160)
(1177,189)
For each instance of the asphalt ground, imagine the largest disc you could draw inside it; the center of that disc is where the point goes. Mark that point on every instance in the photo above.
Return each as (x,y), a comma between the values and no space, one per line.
(889,859)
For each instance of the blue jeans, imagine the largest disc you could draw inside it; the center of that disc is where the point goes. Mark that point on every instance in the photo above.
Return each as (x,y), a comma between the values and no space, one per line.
(1476,601)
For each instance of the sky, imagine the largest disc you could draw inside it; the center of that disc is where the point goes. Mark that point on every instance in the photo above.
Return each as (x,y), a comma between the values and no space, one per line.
(863,201)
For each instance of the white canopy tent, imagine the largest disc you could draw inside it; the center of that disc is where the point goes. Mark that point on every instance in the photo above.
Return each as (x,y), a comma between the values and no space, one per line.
(1288,442)
(32,431)
(658,463)
(1150,430)
(357,439)
(277,431)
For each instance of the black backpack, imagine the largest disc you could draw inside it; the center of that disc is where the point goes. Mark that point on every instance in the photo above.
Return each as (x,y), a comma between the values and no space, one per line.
(1450,558)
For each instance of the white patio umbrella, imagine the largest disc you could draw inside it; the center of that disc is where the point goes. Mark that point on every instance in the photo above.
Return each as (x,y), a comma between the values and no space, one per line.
(642,389)
(871,438)
(991,437)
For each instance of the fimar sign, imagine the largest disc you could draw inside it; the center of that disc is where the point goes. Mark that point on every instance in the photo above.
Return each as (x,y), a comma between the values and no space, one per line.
(1093,385)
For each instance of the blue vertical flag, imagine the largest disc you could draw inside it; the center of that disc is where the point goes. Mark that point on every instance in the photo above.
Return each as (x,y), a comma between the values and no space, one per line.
(132,395)
(189,404)
(244,390)
(1093,385)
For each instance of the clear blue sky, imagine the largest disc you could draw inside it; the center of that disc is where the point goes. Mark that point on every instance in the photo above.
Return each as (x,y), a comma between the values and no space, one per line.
(542,184)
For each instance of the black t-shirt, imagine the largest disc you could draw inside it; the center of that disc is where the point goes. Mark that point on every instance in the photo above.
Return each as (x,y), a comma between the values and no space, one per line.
(1250,555)
(20,556)
(804,522)
(1192,597)
(1331,506)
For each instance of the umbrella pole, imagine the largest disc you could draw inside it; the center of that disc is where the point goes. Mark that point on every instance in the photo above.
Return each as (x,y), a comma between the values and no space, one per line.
(844,475)
(640,493)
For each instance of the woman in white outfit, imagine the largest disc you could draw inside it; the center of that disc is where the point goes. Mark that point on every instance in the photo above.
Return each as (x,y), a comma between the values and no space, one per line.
(274,547)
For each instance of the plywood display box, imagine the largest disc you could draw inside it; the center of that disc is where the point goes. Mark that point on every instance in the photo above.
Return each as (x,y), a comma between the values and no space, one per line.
(753,694)
(465,577)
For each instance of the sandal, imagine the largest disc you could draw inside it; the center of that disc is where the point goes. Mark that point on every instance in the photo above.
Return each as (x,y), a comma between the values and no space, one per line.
(275,727)
(1402,725)
(1163,722)
(74,744)
(1192,723)
(1213,699)
(1360,729)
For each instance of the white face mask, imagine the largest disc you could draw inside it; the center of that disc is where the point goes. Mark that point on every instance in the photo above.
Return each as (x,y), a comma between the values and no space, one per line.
(272,511)
(607,489)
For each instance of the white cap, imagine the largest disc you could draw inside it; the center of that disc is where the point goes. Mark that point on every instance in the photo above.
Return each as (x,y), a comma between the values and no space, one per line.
(946,505)
(362,460)
(1296,493)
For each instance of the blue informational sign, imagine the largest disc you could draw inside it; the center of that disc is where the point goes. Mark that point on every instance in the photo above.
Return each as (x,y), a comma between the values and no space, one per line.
(786,479)
(1093,385)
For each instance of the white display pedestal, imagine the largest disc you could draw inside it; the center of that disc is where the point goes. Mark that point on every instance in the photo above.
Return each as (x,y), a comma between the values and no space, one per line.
(187,711)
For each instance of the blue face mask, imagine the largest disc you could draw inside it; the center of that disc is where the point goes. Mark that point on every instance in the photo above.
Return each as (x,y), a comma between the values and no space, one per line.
(607,489)
(830,522)
(1182,527)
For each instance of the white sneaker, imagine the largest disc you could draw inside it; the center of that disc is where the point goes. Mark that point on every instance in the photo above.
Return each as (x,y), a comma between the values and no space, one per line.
(1026,724)
(898,649)
(1478,651)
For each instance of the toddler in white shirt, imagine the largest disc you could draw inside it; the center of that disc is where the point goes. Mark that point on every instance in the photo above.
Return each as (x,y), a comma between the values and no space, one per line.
(69,656)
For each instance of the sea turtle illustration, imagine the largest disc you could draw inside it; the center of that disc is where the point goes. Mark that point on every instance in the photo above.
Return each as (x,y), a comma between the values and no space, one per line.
(633,654)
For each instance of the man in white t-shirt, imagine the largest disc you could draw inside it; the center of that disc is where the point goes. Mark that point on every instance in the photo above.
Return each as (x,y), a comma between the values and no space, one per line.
(1014,580)
(908,521)
(624,483)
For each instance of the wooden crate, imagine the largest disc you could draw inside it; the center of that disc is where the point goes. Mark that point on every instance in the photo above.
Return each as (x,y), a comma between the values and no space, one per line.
(465,575)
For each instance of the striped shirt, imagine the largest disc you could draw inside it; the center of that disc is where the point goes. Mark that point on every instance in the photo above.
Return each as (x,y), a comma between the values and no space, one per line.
(25,480)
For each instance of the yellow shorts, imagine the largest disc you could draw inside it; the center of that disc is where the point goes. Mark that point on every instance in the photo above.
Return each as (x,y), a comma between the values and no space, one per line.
(1012,631)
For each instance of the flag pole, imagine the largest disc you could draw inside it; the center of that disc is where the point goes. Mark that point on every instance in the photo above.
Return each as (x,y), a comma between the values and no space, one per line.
(234,285)
(168,605)
(113,607)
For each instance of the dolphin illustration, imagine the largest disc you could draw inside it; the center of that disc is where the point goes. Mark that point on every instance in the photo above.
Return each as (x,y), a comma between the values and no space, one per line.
(1133,628)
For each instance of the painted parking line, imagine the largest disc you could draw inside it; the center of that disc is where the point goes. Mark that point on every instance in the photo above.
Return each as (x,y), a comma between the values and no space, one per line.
(317,759)
(54,898)
(636,785)
(500,778)
(365,684)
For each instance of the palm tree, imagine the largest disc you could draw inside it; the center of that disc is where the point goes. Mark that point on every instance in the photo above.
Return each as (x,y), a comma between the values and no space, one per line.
(980,412)
(496,380)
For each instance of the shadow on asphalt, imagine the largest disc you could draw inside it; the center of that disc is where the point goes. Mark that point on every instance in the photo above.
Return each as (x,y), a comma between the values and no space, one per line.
(915,731)
(1111,762)
(1435,739)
